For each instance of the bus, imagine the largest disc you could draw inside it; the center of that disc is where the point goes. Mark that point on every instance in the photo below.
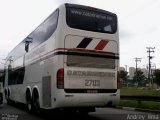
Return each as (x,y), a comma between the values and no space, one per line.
(70,61)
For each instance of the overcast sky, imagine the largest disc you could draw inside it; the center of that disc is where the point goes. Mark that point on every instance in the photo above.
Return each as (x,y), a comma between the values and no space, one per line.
(139,25)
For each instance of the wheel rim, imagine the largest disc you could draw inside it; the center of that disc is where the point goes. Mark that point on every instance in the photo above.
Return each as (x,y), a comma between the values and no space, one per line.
(36,106)
(29,106)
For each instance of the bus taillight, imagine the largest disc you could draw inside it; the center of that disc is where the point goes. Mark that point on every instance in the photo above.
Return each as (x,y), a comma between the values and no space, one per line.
(60,78)
(118,80)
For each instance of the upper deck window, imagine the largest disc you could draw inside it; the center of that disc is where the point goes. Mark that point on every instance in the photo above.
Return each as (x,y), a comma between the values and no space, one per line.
(96,20)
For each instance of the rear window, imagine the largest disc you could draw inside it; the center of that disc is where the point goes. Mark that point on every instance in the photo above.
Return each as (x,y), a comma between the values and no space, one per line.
(91,20)
(90,62)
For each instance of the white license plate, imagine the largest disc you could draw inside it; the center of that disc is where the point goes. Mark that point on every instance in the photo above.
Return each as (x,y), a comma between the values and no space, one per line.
(92,83)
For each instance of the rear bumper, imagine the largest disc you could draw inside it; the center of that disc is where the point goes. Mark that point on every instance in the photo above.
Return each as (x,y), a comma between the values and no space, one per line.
(87,90)
(87,99)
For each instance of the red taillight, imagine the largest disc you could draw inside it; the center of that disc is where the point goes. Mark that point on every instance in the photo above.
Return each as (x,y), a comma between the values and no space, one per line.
(118,80)
(60,78)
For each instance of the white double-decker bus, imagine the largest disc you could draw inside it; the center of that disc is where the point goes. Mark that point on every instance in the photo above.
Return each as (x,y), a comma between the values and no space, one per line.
(71,60)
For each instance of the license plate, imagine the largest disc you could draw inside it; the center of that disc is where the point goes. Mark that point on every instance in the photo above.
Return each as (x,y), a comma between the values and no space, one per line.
(92,91)
(93,83)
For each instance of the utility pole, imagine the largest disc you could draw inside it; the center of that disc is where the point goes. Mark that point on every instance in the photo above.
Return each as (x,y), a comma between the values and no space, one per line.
(137,60)
(150,50)
(10,61)
(126,66)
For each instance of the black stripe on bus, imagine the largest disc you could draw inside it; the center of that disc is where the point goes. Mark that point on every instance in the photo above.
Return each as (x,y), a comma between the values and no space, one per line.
(73,53)
(90,90)
(86,54)
(84,43)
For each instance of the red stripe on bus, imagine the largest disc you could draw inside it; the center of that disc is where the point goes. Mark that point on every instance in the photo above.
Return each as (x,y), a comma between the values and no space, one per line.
(51,53)
(101,45)
(85,50)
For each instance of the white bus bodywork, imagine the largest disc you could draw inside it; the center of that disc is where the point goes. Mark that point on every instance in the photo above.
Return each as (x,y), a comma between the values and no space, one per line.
(55,61)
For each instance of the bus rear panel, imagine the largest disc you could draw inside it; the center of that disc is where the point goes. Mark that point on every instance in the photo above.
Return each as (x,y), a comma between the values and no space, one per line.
(89,74)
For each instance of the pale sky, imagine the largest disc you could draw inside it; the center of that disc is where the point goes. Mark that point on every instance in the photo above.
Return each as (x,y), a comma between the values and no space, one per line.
(139,25)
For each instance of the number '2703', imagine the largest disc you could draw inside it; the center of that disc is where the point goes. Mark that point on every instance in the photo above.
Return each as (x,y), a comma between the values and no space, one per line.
(92,82)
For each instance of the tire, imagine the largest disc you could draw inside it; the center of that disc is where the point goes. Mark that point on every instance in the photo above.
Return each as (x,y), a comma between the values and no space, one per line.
(28,102)
(8,97)
(36,106)
(29,105)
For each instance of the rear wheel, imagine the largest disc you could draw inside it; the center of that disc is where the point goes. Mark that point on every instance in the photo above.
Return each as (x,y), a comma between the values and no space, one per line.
(29,105)
(28,101)
(36,106)
(8,97)
(36,103)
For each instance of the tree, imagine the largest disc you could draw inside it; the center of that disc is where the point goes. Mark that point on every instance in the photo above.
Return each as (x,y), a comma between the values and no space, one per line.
(139,77)
(157,76)
(123,75)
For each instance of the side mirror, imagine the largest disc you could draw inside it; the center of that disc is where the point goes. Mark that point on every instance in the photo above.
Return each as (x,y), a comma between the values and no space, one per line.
(27,43)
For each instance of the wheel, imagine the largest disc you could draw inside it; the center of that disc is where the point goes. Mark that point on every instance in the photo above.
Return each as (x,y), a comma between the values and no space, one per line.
(29,105)
(8,97)
(28,101)
(36,106)
(36,102)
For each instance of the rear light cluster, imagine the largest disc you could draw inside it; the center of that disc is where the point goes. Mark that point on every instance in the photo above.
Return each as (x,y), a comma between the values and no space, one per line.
(60,78)
(118,80)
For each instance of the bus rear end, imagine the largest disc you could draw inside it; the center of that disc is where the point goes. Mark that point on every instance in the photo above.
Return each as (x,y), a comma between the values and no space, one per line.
(89,76)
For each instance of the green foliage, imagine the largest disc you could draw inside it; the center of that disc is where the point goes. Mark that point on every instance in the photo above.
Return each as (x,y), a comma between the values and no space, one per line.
(139,91)
(139,77)
(123,75)
(157,76)
(144,104)
(132,91)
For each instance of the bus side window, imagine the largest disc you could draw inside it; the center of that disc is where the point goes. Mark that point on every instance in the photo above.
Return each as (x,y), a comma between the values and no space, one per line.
(44,31)
(50,25)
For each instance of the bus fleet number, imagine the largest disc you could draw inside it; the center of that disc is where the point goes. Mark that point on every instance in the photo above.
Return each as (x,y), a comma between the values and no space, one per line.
(92,82)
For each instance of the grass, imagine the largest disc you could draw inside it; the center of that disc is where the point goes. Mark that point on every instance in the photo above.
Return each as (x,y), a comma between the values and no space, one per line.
(132,91)
(138,91)
(144,104)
